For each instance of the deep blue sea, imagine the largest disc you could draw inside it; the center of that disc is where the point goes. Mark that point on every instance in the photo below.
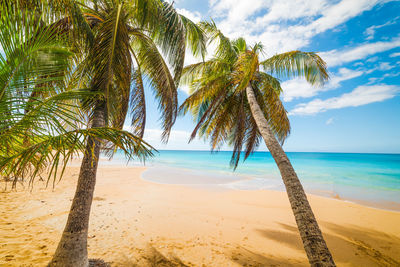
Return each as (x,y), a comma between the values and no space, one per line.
(371,179)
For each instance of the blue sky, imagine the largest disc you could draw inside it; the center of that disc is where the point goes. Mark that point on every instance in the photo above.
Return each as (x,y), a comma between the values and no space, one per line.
(357,111)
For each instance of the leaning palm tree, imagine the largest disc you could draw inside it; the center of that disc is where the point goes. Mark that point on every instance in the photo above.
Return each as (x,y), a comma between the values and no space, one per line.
(234,101)
(123,43)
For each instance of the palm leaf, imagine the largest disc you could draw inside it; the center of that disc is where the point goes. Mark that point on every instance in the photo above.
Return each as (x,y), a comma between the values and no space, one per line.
(138,104)
(298,64)
(156,70)
(52,151)
(111,65)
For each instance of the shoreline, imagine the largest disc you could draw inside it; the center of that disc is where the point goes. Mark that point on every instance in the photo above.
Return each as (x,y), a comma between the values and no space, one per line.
(225,185)
(381,205)
(140,223)
(366,179)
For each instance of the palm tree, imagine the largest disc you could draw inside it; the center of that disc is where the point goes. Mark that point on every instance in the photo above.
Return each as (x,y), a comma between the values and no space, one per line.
(39,127)
(234,101)
(121,46)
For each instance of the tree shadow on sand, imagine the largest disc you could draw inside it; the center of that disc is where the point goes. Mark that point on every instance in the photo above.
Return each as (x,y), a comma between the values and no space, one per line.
(348,244)
(152,258)
(98,263)
(247,258)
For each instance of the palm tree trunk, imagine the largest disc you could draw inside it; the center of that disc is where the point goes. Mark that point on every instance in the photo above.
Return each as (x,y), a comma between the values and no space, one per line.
(314,244)
(72,248)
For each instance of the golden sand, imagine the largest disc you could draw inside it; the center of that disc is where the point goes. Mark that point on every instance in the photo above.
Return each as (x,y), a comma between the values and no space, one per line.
(138,223)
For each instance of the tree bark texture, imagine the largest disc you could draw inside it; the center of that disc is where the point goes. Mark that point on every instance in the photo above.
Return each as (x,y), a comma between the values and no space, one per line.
(314,244)
(72,248)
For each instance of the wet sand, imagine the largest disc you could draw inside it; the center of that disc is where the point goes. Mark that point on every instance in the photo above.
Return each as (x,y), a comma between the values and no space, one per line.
(140,223)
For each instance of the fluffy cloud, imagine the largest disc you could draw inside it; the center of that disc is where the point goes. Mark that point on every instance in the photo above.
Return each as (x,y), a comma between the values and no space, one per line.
(385,66)
(372,59)
(329,121)
(269,22)
(193,16)
(370,31)
(362,95)
(395,54)
(154,135)
(299,88)
(242,18)
(339,57)
(178,140)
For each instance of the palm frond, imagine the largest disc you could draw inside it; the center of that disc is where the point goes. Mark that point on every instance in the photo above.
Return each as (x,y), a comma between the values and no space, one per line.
(191,72)
(239,45)
(244,69)
(252,137)
(224,50)
(144,14)
(32,55)
(111,65)
(274,111)
(196,39)
(174,34)
(156,70)
(138,104)
(51,151)
(170,36)
(238,133)
(298,64)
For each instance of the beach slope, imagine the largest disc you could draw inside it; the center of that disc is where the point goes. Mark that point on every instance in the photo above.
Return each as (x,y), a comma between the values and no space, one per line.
(139,223)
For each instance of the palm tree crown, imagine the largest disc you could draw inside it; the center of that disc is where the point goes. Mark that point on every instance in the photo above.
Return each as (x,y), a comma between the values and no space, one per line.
(40,122)
(218,98)
(129,43)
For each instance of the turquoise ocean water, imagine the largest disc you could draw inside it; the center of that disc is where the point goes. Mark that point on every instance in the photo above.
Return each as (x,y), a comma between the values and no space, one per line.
(371,179)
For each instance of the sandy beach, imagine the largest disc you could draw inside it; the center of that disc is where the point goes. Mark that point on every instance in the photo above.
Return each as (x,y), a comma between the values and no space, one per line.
(140,223)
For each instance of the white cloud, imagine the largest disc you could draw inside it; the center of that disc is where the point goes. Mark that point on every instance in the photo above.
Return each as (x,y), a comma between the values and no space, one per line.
(340,13)
(241,18)
(178,140)
(395,54)
(154,135)
(329,121)
(373,80)
(269,22)
(190,59)
(370,31)
(393,74)
(236,10)
(337,58)
(193,16)
(343,75)
(362,95)
(290,10)
(184,88)
(299,88)
(372,59)
(385,66)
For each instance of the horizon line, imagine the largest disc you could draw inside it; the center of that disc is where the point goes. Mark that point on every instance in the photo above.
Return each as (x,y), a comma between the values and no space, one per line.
(341,152)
